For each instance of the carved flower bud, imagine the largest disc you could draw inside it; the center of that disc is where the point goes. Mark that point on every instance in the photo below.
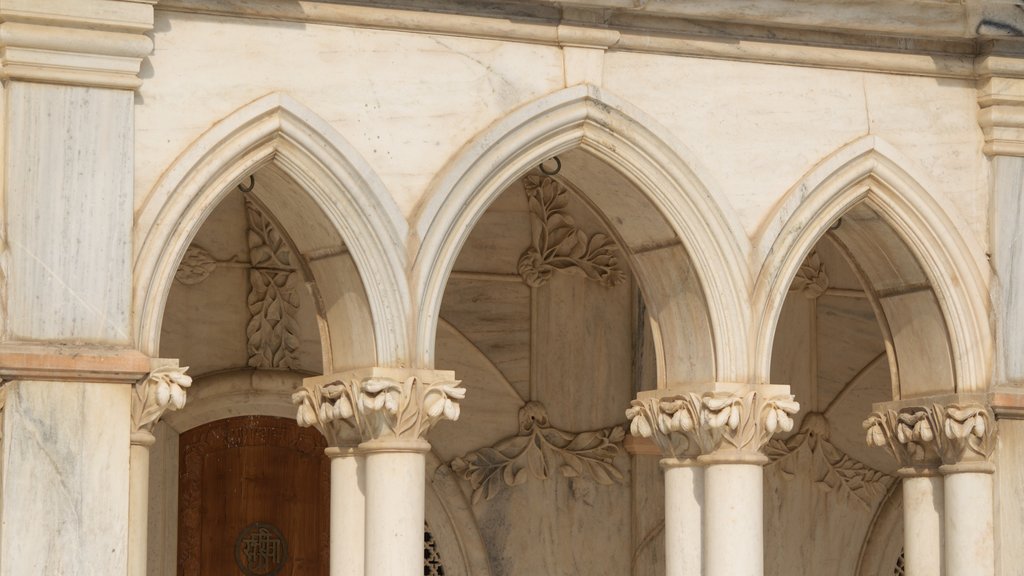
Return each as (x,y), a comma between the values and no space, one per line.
(876,436)
(163,393)
(682,421)
(638,426)
(177,397)
(306,415)
(923,431)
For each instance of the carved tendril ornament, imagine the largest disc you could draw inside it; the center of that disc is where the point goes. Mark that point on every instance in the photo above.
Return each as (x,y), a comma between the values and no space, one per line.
(539,451)
(377,408)
(690,425)
(559,244)
(920,435)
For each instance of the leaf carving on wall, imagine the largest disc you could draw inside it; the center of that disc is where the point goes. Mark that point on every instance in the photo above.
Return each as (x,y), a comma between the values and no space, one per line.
(273,328)
(559,244)
(831,469)
(540,451)
(812,278)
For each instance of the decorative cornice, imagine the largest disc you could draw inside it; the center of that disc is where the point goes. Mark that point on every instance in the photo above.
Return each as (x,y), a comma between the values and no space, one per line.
(722,425)
(162,390)
(921,435)
(558,243)
(379,406)
(97,43)
(540,451)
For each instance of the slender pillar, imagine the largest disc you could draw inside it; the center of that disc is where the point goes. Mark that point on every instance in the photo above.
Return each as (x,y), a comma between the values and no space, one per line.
(378,489)
(923,513)
(162,390)
(394,525)
(684,504)
(734,516)
(970,544)
(714,516)
(348,510)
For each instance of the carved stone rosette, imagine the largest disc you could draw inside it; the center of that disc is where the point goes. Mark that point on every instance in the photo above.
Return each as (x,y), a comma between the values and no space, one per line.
(690,425)
(925,435)
(377,407)
(164,389)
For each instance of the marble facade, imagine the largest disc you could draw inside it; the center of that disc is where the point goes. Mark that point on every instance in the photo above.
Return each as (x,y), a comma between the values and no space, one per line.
(582,286)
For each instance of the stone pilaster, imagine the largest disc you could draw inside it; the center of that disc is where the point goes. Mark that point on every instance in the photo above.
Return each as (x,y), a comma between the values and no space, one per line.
(388,413)
(712,441)
(943,446)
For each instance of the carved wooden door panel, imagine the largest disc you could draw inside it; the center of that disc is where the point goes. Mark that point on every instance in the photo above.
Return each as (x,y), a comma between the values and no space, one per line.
(254,499)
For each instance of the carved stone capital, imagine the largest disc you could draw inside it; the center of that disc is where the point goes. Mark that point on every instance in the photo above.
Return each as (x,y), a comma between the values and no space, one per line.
(949,430)
(162,390)
(725,424)
(98,43)
(379,406)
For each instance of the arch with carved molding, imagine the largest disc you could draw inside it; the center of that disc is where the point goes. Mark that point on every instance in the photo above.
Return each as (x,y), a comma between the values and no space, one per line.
(714,247)
(871,173)
(343,198)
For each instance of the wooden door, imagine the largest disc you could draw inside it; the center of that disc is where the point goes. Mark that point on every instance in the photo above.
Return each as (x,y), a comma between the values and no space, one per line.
(254,499)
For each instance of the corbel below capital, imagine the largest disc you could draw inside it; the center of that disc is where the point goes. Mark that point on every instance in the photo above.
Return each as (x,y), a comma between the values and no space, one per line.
(162,390)
(717,423)
(379,409)
(96,43)
(924,433)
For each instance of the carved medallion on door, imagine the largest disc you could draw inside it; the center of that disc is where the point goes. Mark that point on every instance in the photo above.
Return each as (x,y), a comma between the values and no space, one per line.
(254,499)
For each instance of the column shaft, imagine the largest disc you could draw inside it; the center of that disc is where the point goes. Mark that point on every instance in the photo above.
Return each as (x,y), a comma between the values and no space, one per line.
(734,519)
(138,503)
(970,542)
(395,497)
(348,512)
(684,502)
(922,525)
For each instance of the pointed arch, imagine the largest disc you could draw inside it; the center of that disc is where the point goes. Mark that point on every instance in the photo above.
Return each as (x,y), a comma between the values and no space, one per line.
(278,130)
(634,144)
(871,172)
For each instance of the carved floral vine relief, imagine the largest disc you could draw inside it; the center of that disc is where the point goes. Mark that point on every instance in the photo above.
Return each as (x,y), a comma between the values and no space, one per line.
(812,450)
(273,299)
(559,243)
(540,451)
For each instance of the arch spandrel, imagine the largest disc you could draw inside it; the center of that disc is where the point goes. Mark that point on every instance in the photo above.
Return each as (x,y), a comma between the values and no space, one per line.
(625,139)
(348,200)
(915,244)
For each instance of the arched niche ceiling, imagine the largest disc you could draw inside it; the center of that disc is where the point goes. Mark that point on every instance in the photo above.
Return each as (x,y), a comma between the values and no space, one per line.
(672,293)
(905,302)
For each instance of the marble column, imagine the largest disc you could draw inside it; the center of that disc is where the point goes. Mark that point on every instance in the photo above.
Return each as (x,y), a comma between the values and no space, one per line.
(720,506)
(391,411)
(162,390)
(69,73)
(948,508)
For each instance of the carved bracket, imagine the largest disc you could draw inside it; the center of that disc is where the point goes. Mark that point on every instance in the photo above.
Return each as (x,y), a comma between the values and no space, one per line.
(164,389)
(811,279)
(377,407)
(559,244)
(690,425)
(539,451)
(923,435)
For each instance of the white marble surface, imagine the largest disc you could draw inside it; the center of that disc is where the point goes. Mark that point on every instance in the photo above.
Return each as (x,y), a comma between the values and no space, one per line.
(760,128)
(65,484)
(68,197)
(1007,238)
(407,102)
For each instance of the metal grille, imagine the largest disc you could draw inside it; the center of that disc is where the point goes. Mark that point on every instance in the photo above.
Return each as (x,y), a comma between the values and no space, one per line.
(432,565)
(899,570)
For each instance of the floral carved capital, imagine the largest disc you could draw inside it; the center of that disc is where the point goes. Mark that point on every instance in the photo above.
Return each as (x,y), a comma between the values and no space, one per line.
(926,435)
(163,390)
(690,425)
(377,407)
(674,423)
